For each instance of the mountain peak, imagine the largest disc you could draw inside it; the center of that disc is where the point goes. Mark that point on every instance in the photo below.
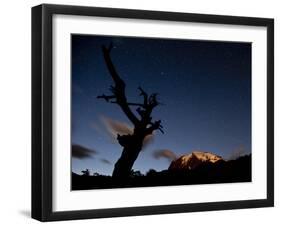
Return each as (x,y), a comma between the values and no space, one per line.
(193,160)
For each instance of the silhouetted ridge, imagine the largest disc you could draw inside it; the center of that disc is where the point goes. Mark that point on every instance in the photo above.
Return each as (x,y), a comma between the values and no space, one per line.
(208,172)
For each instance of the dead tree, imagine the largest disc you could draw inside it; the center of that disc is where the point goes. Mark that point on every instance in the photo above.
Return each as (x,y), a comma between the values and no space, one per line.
(141,119)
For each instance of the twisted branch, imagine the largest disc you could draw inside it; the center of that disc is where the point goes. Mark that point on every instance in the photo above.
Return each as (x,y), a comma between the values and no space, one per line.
(118,96)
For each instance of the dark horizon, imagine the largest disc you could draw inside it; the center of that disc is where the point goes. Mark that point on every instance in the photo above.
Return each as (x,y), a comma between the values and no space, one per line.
(205,88)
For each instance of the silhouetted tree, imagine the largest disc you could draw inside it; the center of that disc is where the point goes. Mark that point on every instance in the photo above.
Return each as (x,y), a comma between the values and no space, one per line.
(143,123)
(151,172)
(85,172)
(136,173)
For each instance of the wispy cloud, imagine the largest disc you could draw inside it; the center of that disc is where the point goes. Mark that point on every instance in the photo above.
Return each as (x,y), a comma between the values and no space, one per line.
(164,153)
(148,140)
(81,152)
(113,127)
(98,128)
(105,161)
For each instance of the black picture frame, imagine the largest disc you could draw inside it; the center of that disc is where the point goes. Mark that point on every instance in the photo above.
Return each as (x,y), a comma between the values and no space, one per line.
(42,111)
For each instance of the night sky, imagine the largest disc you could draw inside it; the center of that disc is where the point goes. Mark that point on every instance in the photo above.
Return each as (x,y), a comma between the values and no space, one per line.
(204,88)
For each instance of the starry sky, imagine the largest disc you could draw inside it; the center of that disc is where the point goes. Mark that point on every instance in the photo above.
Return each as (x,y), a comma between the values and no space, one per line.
(204,88)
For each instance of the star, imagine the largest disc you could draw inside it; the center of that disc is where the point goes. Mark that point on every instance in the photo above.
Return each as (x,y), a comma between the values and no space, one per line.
(163,73)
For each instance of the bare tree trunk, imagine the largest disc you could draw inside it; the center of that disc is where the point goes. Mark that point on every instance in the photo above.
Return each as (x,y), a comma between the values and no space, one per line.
(123,166)
(132,146)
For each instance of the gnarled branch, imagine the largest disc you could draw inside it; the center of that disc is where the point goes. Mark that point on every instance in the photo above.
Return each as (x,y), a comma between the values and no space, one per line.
(119,89)
(118,96)
(154,126)
(106,97)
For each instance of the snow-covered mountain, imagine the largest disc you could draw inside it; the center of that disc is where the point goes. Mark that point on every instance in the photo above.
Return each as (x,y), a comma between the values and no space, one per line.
(191,161)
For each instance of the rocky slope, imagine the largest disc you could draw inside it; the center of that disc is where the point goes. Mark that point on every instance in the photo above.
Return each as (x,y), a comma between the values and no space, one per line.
(193,160)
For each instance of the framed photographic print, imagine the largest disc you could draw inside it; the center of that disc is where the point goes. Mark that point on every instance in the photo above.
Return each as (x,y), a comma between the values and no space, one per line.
(144,112)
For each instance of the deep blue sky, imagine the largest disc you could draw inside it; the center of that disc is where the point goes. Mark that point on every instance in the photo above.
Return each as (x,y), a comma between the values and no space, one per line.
(205,88)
